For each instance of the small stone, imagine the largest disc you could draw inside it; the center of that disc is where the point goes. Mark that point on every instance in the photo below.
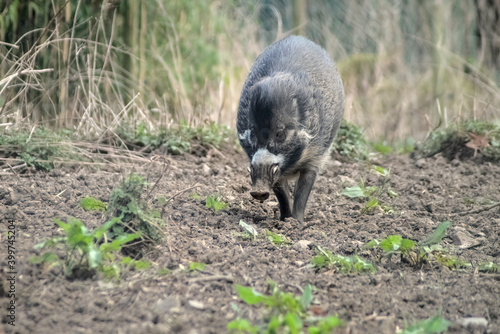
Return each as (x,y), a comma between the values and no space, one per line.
(473,322)
(463,240)
(455,162)
(304,244)
(347,181)
(166,305)
(196,304)
(11,197)
(420,163)
(205,169)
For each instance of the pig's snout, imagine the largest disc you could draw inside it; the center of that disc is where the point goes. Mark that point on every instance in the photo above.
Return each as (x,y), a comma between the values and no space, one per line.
(260,195)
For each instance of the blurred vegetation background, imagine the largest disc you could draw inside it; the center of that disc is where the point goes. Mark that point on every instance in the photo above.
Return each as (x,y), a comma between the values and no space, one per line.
(95,65)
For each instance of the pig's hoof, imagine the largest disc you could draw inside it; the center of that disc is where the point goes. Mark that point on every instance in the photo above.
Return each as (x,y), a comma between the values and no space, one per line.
(260,196)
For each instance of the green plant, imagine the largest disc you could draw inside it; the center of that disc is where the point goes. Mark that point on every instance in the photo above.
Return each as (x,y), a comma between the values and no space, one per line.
(427,250)
(88,251)
(373,194)
(489,267)
(434,325)
(277,239)
(286,313)
(350,142)
(382,148)
(215,203)
(242,326)
(250,232)
(341,263)
(196,266)
(194,196)
(393,244)
(177,139)
(92,204)
(38,148)
(127,203)
(163,271)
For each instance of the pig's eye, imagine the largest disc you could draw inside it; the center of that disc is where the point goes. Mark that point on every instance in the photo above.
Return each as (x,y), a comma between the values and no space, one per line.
(280,136)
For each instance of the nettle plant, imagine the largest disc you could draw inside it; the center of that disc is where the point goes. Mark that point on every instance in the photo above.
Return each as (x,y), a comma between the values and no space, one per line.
(285,313)
(215,203)
(86,252)
(371,195)
(427,251)
(341,263)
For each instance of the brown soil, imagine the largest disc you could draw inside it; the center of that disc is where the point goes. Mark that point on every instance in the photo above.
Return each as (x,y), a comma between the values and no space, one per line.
(184,302)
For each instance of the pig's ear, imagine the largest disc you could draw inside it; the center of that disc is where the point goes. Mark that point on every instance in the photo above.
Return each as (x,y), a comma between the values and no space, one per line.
(255,99)
(261,105)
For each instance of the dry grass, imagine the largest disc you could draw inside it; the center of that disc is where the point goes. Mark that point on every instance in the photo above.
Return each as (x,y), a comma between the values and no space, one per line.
(406,68)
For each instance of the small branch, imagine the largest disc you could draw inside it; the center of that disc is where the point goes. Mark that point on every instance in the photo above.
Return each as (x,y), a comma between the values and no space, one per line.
(183,191)
(229,279)
(476,211)
(165,168)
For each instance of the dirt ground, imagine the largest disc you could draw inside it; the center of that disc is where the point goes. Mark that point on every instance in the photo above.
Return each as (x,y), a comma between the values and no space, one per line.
(429,192)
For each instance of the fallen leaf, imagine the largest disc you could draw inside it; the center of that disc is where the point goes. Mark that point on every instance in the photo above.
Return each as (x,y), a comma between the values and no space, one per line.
(477,142)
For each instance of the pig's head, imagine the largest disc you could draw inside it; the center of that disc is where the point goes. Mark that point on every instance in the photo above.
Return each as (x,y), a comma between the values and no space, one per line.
(265,172)
(276,135)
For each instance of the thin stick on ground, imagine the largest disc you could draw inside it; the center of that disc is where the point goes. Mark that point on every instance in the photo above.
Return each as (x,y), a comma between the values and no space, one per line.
(183,191)
(165,169)
(476,211)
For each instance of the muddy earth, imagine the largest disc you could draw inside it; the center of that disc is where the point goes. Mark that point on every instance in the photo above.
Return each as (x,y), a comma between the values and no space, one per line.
(429,192)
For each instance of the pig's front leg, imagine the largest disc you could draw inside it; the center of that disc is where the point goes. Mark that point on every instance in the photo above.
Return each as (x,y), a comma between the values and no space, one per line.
(282,192)
(302,191)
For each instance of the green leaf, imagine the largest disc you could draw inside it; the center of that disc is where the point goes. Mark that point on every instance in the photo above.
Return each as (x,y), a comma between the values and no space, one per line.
(369,190)
(92,204)
(95,257)
(118,242)
(241,326)
(391,243)
(277,239)
(437,235)
(326,325)
(407,245)
(372,244)
(196,266)
(293,322)
(370,205)
(140,264)
(353,192)
(362,265)
(307,297)
(50,242)
(62,225)
(489,267)
(47,257)
(391,193)
(274,325)
(434,325)
(99,232)
(250,296)
(248,228)
(382,171)
(163,271)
